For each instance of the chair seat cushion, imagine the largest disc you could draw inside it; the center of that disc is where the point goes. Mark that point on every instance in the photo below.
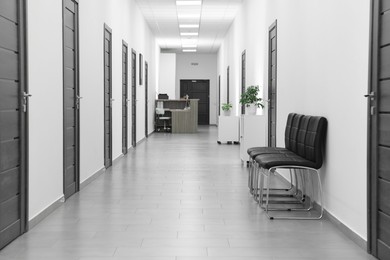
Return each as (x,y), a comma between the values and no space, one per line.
(268,161)
(255,151)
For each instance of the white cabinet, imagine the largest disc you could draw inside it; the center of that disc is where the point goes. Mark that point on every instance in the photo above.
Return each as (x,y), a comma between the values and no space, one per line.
(253,133)
(228,129)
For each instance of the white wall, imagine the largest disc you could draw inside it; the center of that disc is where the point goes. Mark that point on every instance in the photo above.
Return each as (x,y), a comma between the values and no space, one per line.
(128,24)
(245,33)
(46,86)
(206,69)
(45,105)
(323,51)
(330,80)
(167,75)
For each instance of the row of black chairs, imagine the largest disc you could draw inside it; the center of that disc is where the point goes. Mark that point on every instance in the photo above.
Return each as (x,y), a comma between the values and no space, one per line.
(297,164)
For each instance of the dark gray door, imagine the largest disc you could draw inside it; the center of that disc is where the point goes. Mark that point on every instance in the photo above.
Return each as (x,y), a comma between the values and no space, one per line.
(272,90)
(198,89)
(133,98)
(125,98)
(379,121)
(146,98)
(243,78)
(13,121)
(219,95)
(71,98)
(228,84)
(107,96)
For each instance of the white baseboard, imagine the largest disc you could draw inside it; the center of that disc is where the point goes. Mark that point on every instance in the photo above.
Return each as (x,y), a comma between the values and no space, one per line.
(46,212)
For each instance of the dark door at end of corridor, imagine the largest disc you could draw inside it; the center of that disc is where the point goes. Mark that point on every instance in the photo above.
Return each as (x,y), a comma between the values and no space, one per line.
(198,89)
(379,135)
(13,121)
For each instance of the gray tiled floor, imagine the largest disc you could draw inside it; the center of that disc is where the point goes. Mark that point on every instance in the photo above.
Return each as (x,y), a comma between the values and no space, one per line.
(176,197)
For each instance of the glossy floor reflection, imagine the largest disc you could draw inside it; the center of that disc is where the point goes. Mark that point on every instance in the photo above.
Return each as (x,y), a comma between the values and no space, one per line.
(176,197)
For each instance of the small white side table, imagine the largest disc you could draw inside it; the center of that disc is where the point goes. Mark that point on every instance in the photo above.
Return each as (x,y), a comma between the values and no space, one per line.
(253,133)
(228,129)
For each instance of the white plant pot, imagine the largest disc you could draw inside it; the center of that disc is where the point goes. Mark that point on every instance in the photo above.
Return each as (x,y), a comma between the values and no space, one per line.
(251,109)
(226,113)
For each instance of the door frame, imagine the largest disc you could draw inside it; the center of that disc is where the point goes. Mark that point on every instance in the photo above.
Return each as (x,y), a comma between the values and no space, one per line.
(146,99)
(372,137)
(77,98)
(134,99)
(24,117)
(125,134)
(273,26)
(243,78)
(108,29)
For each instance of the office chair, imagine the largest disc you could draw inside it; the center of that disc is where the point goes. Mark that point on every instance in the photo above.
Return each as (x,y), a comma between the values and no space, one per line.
(160,112)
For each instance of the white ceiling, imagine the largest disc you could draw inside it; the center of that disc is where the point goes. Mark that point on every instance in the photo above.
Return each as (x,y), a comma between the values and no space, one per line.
(215,19)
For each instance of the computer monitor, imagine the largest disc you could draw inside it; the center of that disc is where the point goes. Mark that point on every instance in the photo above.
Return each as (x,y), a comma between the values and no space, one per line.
(163,96)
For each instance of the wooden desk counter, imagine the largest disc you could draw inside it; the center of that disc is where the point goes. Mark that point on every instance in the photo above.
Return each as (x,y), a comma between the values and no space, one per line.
(183,120)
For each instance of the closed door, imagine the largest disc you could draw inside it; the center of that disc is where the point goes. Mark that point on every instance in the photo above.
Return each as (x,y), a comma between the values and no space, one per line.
(107,96)
(13,121)
(379,122)
(125,98)
(198,89)
(146,98)
(272,90)
(71,99)
(133,98)
(228,85)
(219,95)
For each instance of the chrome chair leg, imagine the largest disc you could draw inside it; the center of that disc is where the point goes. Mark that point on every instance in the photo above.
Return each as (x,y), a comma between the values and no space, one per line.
(304,170)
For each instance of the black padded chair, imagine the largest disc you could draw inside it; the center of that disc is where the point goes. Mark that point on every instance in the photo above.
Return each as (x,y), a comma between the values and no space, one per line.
(290,139)
(303,154)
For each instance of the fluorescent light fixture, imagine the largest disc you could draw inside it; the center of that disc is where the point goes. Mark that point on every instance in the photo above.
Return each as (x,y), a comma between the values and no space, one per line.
(189,34)
(189,46)
(188,25)
(188,2)
(188,16)
(189,50)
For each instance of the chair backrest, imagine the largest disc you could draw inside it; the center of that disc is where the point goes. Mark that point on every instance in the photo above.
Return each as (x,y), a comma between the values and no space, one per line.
(305,136)
(291,133)
(311,138)
(160,111)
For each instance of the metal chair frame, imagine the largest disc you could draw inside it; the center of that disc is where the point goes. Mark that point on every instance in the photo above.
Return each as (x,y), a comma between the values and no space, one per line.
(303,171)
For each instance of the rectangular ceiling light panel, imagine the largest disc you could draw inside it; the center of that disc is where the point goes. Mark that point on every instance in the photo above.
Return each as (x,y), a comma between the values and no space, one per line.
(188,25)
(188,3)
(189,34)
(188,16)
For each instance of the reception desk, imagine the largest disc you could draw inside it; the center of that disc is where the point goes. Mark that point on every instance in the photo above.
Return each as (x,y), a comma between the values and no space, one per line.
(184,114)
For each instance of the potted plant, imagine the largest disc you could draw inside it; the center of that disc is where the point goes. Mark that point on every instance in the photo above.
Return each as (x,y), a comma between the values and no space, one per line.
(226,107)
(251,100)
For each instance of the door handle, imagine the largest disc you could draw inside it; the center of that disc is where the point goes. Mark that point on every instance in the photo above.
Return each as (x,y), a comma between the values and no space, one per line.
(78,101)
(370,95)
(25,99)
